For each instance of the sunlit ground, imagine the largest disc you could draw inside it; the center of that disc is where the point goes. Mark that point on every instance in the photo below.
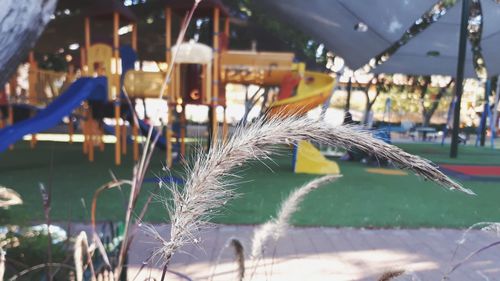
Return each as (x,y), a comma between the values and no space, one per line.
(340,254)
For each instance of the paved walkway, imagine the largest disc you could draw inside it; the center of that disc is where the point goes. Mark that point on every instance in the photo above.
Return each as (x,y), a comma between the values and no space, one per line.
(329,254)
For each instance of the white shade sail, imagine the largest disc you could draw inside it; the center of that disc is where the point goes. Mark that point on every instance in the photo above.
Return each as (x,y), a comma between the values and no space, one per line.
(432,51)
(333,23)
(442,37)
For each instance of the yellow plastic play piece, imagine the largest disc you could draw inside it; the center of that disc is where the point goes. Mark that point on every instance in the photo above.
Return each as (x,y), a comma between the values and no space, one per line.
(309,160)
(314,89)
(99,61)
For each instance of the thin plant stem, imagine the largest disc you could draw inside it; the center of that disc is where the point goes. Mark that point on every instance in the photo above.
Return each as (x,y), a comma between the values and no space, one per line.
(39,266)
(148,149)
(468,257)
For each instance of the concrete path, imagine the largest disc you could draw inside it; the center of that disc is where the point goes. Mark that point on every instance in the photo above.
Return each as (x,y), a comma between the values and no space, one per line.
(321,253)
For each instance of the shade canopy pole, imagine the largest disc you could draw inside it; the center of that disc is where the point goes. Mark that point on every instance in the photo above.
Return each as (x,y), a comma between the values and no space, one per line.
(459,77)
(484,117)
(493,121)
(348,99)
(116,57)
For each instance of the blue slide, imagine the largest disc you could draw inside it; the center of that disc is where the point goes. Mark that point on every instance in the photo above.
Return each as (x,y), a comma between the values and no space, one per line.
(80,90)
(145,129)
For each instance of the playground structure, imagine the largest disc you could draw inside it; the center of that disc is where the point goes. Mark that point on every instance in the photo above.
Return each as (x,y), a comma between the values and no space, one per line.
(108,79)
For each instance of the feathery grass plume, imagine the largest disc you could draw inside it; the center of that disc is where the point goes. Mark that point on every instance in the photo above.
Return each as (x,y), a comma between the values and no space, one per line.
(277,227)
(9,197)
(206,187)
(239,257)
(390,275)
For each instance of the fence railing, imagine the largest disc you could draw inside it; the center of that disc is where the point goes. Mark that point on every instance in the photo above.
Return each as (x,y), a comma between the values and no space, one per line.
(46,85)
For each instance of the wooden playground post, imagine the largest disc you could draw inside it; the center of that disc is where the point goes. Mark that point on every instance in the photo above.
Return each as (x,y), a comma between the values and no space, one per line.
(168,41)
(101,140)
(87,46)
(168,57)
(168,138)
(69,78)
(135,128)
(183,131)
(91,135)
(225,128)
(32,90)
(85,143)
(116,45)
(71,130)
(83,61)
(85,71)
(135,133)
(215,82)
(11,120)
(12,91)
(134,36)
(226,28)
(124,137)
(32,78)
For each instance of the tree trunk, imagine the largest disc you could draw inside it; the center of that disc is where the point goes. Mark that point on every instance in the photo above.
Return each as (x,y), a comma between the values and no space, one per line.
(367,109)
(427,119)
(369,104)
(427,113)
(21,23)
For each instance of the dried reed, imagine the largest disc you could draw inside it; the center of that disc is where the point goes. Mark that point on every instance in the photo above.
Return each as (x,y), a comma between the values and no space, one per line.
(9,197)
(148,149)
(47,200)
(2,264)
(239,255)
(82,249)
(390,275)
(276,227)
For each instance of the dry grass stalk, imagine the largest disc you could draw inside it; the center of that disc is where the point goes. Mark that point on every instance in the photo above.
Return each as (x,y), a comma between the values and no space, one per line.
(239,254)
(276,227)
(207,184)
(96,239)
(47,200)
(390,275)
(147,153)
(468,257)
(37,267)
(9,197)
(485,226)
(105,276)
(239,257)
(82,249)
(2,264)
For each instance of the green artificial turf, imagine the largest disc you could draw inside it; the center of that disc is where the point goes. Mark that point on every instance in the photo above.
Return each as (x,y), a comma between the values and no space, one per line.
(359,199)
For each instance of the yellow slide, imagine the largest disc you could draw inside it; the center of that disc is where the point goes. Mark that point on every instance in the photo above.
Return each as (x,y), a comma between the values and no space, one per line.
(314,90)
(309,160)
